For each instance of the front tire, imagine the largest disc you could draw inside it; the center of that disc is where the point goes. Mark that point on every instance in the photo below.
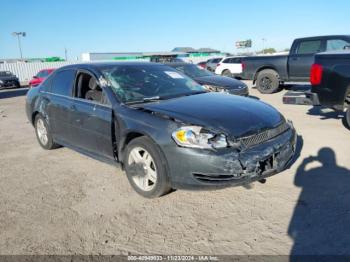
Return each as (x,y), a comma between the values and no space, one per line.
(146,169)
(43,133)
(267,81)
(347,117)
(347,105)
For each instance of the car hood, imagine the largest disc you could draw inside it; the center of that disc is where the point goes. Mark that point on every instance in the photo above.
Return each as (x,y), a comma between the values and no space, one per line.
(223,81)
(233,115)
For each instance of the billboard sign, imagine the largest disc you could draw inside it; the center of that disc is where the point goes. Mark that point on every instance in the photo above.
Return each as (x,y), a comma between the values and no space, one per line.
(244,44)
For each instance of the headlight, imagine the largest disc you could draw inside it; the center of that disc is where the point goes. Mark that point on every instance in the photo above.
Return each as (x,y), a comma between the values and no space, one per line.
(1,82)
(196,137)
(213,88)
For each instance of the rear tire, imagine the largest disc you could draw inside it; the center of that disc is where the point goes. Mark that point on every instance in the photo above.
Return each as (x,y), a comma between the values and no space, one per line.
(226,73)
(43,133)
(146,169)
(267,81)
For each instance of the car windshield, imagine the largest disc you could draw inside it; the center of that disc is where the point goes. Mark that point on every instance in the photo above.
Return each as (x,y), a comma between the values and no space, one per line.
(135,83)
(193,71)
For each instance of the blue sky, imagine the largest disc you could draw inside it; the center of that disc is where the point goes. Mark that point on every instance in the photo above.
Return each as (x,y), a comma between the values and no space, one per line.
(161,25)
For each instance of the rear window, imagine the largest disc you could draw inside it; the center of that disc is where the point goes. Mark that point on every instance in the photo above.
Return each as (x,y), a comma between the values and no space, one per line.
(233,60)
(309,47)
(43,74)
(62,82)
(337,44)
(216,60)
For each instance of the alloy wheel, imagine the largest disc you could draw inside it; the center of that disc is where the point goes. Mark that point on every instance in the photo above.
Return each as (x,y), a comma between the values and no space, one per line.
(41,131)
(145,176)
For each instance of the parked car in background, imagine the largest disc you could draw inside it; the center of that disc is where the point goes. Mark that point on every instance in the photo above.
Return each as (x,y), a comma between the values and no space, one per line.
(269,72)
(164,129)
(212,63)
(230,66)
(210,81)
(203,64)
(8,80)
(330,80)
(40,77)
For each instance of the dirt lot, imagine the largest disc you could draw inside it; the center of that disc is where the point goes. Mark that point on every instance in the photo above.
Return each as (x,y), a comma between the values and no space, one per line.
(60,202)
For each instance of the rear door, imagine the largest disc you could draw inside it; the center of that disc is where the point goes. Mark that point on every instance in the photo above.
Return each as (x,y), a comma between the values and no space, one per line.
(235,65)
(91,121)
(60,101)
(301,60)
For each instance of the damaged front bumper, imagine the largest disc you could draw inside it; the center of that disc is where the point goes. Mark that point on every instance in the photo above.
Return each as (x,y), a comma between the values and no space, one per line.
(205,169)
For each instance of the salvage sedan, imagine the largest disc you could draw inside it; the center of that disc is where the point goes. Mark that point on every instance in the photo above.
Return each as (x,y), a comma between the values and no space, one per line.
(166,131)
(210,81)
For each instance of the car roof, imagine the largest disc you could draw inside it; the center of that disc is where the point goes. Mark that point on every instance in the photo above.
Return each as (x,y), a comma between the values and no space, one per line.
(98,65)
(178,64)
(235,56)
(47,69)
(321,36)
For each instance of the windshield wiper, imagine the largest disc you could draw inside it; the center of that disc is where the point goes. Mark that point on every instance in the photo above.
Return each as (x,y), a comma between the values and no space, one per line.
(144,100)
(190,94)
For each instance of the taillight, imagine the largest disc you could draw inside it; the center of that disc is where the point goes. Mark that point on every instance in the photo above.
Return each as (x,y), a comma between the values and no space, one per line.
(316,74)
(243,66)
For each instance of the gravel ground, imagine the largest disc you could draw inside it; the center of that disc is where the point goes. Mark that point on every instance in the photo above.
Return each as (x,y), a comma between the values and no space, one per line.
(61,202)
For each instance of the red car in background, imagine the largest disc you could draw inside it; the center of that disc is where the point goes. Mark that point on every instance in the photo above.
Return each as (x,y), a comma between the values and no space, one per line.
(202,64)
(40,77)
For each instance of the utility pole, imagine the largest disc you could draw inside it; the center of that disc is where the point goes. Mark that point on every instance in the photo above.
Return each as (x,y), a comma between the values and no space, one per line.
(18,35)
(65,54)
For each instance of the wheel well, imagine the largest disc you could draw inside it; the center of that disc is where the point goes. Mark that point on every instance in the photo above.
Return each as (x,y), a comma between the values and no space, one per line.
(129,137)
(34,116)
(347,98)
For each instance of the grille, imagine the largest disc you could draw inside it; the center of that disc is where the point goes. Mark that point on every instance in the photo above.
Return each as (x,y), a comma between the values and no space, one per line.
(264,136)
(215,178)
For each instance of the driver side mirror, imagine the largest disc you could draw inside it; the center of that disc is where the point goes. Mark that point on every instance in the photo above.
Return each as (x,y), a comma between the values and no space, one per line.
(35,77)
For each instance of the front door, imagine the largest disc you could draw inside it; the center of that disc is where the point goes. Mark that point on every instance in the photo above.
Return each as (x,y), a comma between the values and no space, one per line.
(91,117)
(301,60)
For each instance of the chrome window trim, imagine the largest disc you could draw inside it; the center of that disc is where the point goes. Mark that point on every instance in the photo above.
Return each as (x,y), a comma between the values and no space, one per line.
(77,99)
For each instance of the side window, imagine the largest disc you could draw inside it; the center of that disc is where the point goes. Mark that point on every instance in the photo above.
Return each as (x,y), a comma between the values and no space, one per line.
(87,87)
(227,61)
(309,47)
(62,82)
(236,60)
(336,44)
